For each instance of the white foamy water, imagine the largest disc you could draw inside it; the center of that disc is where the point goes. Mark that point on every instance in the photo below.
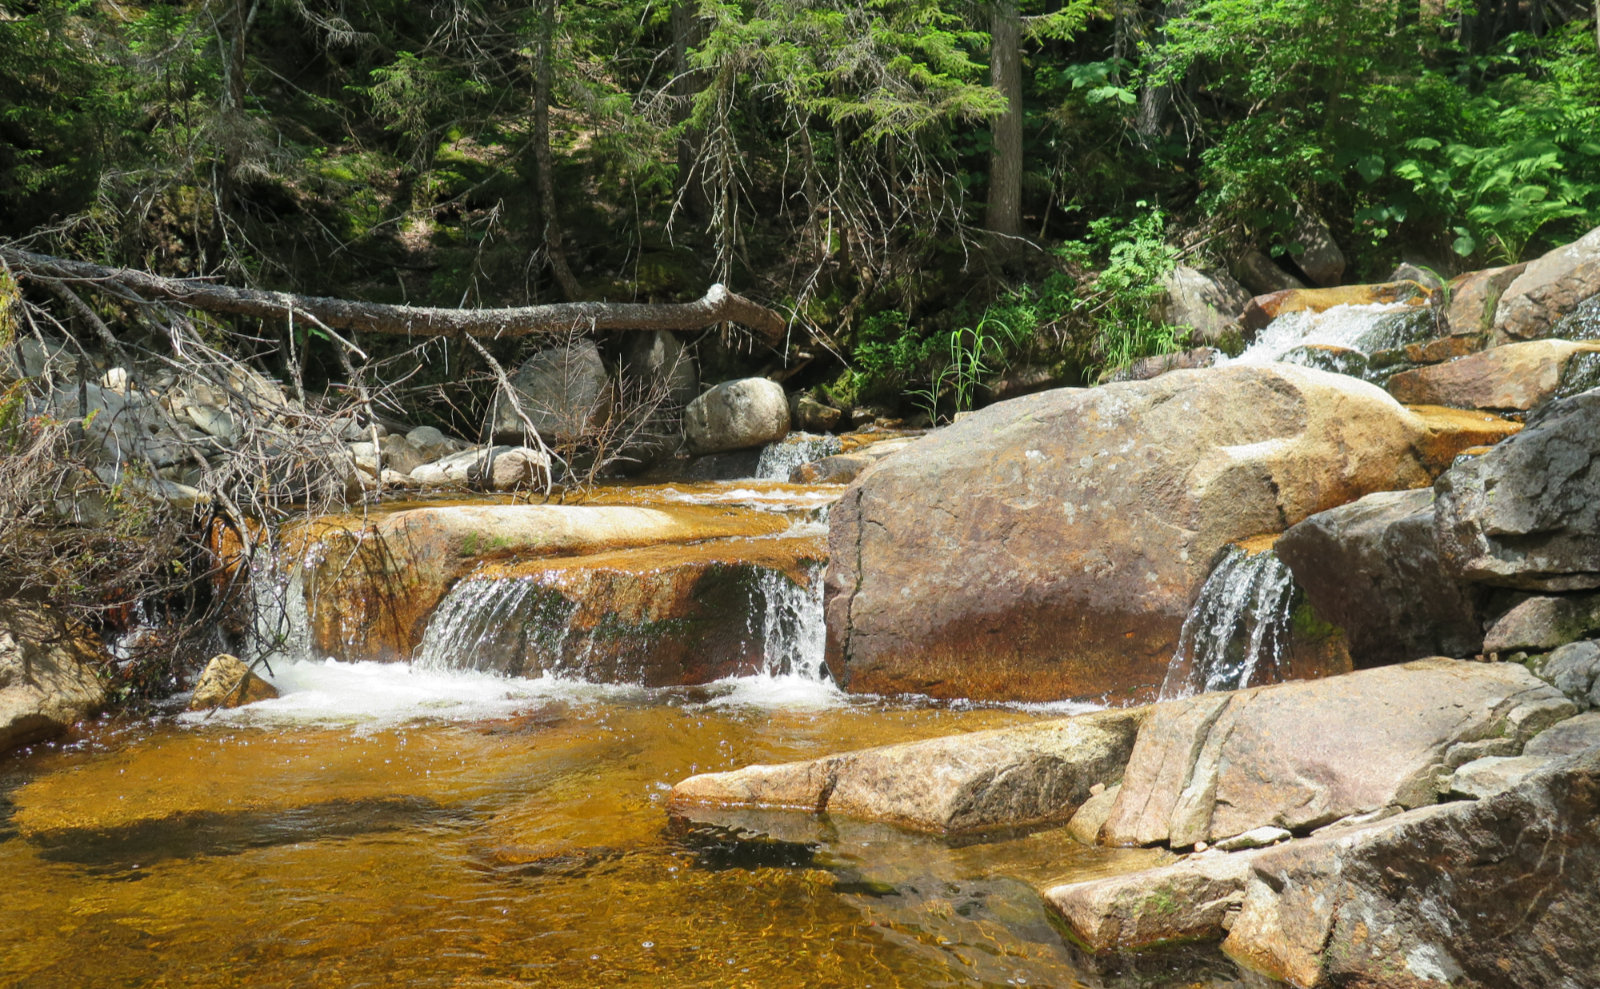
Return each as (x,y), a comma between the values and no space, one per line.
(1339,326)
(814,497)
(380,695)
(778,459)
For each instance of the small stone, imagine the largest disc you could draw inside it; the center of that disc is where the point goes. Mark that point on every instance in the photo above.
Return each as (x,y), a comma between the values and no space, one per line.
(1201,846)
(1097,789)
(228,682)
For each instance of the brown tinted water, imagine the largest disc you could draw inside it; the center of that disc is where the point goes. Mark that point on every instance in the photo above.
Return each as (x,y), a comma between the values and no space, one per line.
(520,842)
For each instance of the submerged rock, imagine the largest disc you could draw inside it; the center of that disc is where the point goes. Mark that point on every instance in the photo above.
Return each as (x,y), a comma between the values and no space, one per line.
(1050,546)
(999,778)
(47,674)
(1185,901)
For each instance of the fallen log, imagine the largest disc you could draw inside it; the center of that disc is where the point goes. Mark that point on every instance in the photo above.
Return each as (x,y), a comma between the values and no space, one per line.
(718,305)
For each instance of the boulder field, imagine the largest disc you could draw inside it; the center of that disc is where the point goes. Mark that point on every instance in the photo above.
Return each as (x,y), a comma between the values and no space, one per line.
(1050,546)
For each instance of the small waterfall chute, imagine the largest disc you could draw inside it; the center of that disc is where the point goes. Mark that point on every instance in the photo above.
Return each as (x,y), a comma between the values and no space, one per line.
(1365,329)
(780,458)
(1238,629)
(792,629)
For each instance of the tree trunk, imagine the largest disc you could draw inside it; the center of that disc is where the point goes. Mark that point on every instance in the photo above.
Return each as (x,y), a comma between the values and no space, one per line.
(688,30)
(544,57)
(1005,160)
(717,306)
(1155,101)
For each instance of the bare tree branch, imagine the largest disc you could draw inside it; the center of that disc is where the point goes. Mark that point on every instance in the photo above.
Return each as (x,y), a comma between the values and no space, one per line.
(717,306)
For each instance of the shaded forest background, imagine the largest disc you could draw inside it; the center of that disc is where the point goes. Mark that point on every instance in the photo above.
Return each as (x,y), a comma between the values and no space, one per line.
(902,178)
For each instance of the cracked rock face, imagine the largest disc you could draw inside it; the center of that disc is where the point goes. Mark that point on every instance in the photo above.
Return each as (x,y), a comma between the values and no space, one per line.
(1049,546)
(1527,513)
(1300,756)
(47,678)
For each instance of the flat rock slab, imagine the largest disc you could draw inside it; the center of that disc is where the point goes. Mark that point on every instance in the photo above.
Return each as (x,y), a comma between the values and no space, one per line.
(1302,755)
(1005,777)
(1516,377)
(373,583)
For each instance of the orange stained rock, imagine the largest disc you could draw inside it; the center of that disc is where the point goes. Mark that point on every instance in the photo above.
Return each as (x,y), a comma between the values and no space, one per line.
(1450,432)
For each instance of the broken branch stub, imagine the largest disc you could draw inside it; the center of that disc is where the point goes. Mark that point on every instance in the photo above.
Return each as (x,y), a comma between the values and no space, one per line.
(718,305)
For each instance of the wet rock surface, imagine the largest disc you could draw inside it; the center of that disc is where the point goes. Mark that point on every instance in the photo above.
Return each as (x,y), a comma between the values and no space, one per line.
(227,682)
(1372,567)
(372,584)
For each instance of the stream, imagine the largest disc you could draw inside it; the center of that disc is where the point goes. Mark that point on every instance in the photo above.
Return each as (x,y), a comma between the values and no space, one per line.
(431,824)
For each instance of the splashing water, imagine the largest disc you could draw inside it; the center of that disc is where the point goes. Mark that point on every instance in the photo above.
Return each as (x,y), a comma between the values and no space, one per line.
(1364,329)
(489,625)
(792,630)
(1239,622)
(778,459)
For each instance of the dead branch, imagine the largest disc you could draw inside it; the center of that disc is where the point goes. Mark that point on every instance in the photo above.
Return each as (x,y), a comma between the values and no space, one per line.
(717,306)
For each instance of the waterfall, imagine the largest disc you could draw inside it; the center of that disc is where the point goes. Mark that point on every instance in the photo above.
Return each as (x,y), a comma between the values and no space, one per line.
(778,459)
(792,629)
(280,624)
(518,625)
(1239,624)
(489,624)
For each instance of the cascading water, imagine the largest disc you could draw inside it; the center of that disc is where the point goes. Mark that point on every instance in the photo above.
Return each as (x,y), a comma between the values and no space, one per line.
(792,629)
(778,459)
(1340,338)
(280,625)
(1238,627)
(490,624)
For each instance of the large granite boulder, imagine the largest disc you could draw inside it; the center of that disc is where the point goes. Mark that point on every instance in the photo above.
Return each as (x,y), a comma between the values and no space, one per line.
(564,391)
(1303,755)
(1005,777)
(1262,275)
(1514,378)
(1526,514)
(1548,289)
(47,674)
(736,415)
(1372,567)
(1050,546)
